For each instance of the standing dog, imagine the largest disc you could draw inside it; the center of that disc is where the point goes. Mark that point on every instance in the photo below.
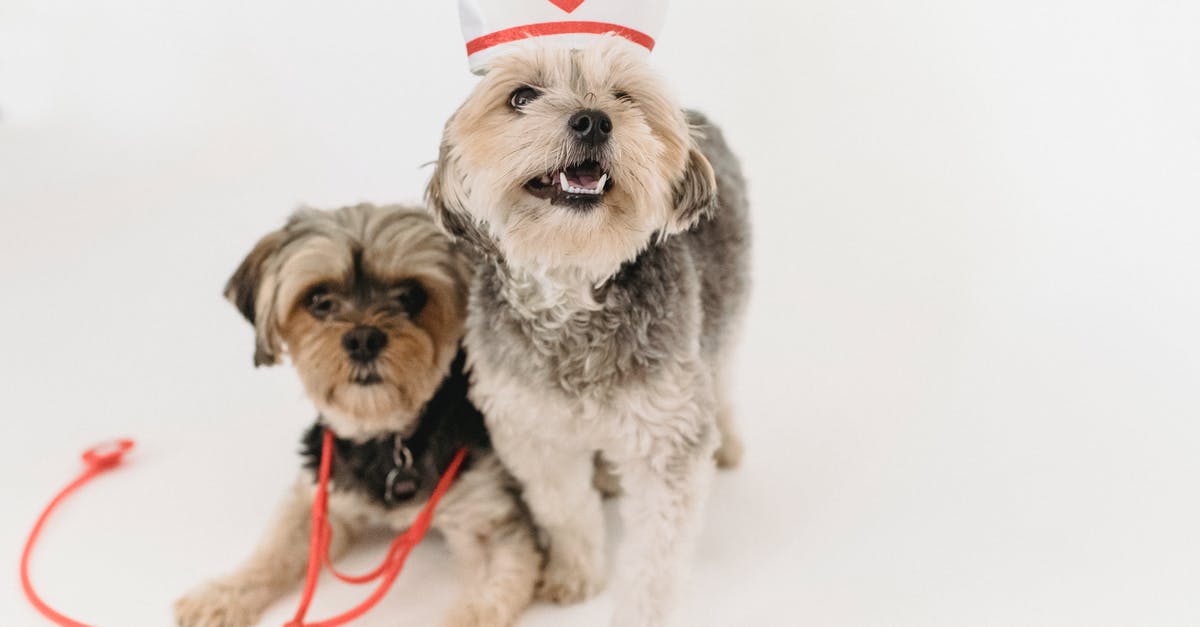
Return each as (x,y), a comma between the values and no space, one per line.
(614,244)
(369,303)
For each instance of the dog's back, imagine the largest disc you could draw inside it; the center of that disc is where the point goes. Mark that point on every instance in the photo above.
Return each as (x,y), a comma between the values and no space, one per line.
(720,245)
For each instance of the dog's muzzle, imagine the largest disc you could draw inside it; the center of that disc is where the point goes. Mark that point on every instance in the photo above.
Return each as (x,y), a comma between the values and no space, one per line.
(580,185)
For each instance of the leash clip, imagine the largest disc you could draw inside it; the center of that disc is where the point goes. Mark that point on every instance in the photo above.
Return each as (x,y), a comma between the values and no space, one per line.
(107,454)
(98,459)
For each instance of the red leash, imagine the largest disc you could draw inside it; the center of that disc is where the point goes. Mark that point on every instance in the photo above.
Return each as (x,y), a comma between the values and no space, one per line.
(99,458)
(321,533)
(108,455)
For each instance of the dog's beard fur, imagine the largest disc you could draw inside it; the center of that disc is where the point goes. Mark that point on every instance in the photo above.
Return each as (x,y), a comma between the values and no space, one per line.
(384,395)
(358,255)
(659,182)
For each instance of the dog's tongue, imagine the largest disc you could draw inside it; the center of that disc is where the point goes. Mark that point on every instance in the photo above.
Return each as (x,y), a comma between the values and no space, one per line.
(584,176)
(583,180)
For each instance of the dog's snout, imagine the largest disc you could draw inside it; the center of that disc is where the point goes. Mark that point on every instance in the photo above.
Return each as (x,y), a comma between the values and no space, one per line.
(592,126)
(364,343)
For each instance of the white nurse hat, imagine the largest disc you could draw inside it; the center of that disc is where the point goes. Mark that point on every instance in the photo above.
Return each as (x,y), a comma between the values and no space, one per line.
(494,27)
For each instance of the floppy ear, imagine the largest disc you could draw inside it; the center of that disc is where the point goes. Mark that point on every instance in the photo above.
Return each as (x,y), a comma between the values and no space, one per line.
(444,195)
(252,291)
(695,194)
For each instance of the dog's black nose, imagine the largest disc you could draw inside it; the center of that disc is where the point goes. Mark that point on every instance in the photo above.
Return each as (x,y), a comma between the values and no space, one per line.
(364,343)
(592,126)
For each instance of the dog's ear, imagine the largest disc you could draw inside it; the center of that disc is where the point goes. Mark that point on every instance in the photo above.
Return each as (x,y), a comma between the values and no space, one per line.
(694,194)
(251,290)
(444,195)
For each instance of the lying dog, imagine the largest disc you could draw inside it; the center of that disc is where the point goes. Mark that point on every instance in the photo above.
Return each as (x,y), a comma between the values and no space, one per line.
(613,242)
(369,304)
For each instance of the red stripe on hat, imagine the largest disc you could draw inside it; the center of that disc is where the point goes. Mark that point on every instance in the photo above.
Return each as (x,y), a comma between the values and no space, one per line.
(557,28)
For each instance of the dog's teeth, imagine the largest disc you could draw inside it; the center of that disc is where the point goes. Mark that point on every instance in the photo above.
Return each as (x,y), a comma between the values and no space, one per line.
(562,179)
(603,180)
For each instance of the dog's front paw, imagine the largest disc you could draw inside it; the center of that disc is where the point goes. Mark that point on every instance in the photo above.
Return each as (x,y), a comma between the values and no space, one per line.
(570,577)
(473,615)
(219,604)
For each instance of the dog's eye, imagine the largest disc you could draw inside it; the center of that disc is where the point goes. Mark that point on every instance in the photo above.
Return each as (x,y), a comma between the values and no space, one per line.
(319,302)
(623,96)
(522,97)
(410,296)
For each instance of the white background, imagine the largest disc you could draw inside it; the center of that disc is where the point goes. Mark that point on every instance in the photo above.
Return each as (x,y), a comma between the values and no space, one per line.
(969,375)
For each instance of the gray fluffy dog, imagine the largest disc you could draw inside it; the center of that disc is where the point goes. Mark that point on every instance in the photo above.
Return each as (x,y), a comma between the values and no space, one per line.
(612,239)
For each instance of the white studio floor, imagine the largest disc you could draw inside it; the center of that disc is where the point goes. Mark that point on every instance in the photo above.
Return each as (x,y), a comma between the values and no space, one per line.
(969,379)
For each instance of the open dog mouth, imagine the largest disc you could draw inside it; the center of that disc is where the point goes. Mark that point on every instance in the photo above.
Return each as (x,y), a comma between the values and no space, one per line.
(365,376)
(581,185)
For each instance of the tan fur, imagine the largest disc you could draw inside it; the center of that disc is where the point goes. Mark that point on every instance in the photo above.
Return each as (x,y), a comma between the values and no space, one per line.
(410,364)
(490,151)
(599,311)
(484,523)
(317,248)
(272,570)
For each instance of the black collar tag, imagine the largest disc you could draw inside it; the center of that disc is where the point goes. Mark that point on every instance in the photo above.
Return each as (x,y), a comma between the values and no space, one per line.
(402,481)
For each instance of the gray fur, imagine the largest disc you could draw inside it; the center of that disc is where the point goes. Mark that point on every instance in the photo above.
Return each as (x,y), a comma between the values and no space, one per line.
(631,368)
(645,311)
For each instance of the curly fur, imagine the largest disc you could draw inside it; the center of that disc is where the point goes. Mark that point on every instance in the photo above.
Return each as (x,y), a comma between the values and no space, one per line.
(607,329)
(358,252)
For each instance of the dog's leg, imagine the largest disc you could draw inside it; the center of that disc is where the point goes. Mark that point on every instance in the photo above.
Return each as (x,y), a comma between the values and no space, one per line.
(277,565)
(557,487)
(661,514)
(729,453)
(500,568)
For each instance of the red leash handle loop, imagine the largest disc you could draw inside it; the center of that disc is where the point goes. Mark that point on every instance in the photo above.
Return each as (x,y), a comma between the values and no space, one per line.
(99,458)
(108,455)
(397,554)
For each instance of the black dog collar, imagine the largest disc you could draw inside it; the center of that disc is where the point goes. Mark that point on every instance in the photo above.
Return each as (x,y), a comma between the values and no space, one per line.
(390,470)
